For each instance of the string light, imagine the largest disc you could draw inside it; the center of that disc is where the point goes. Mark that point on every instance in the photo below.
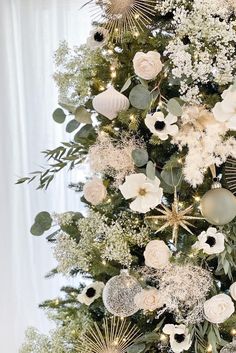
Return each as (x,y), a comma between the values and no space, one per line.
(132,118)
(163,337)
(233,332)
(104,262)
(197,198)
(209,348)
(113,74)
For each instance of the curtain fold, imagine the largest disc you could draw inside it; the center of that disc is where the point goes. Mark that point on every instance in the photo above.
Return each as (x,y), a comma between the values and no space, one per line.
(30,31)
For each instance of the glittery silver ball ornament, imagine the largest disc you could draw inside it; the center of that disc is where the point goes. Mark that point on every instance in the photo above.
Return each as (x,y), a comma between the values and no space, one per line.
(229,348)
(119,293)
(218,206)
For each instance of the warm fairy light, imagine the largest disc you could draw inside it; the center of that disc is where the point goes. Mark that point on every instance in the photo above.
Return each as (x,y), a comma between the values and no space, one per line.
(233,332)
(209,348)
(197,198)
(113,74)
(104,262)
(110,51)
(181,204)
(180,161)
(101,88)
(112,68)
(136,34)
(163,337)
(132,118)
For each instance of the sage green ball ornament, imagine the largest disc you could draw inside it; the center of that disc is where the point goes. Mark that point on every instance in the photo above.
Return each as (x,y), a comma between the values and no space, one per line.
(218,205)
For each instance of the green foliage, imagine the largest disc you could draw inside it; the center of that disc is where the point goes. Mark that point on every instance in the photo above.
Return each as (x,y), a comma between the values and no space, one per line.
(42,223)
(140,97)
(83,116)
(140,157)
(59,116)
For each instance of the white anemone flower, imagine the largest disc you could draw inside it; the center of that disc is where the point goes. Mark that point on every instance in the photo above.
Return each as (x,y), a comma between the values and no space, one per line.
(180,339)
(162,126)
(211,242)
(98,38)
(225,111)
(147,193)
(90,293)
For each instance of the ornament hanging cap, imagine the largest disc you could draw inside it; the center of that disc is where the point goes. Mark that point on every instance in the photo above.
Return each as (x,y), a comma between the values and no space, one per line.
(216,179)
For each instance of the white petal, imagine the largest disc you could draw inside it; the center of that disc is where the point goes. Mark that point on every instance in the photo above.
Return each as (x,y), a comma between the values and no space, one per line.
(139,205)
(172,130)
(171,119)
(168,329)
(132,184)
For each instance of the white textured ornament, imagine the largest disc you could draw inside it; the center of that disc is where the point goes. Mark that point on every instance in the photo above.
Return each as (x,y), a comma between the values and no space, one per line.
(229,348)
(119,293)
(218,206)
(110,103)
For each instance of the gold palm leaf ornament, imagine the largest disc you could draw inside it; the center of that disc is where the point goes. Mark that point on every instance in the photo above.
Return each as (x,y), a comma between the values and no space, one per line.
(174,217)
(230,174)
(116,336)
(124,15)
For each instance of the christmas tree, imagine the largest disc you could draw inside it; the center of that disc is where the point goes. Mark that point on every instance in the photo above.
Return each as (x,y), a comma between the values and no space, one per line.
(150,103)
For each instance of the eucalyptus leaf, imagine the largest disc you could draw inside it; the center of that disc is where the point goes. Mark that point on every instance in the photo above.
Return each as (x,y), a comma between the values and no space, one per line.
(83,116)
(69,107)
(172,176)
(84,133)
(151,170)
(36,229)
(136,348)
(44,220)
(140,157)
(59,116)
(72,126)
(126,85)
(174,107)
(140,97)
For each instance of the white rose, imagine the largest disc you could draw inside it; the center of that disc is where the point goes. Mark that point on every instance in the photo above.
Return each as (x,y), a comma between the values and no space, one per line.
(219,308)
(95,191)
(148,299)
(157,254)
(147,65)
(225,111)
(233,291)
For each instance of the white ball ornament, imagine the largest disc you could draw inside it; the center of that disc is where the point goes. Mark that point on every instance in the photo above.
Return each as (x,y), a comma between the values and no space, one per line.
(110,103)
(119,293)
(218,205)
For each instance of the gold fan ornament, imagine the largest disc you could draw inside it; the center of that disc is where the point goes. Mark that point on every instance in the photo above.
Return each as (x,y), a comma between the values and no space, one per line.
(230,174)
(116,336)
(123,16)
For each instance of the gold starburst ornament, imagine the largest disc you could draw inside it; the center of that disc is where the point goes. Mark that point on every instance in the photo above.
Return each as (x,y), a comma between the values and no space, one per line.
(116,336)
(174,217)
(124,15)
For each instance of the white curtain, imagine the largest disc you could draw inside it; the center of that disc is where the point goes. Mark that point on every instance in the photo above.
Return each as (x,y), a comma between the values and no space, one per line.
(30,31)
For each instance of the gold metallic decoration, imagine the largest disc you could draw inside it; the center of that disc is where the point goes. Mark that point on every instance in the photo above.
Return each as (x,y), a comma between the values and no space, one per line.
(175,217)
(116,336)
(124,15)
(230,174)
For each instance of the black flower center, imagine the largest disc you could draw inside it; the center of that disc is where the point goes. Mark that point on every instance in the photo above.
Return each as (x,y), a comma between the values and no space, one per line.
(160,125)
(211,241)
(99,37)
(179,338)
(91,292)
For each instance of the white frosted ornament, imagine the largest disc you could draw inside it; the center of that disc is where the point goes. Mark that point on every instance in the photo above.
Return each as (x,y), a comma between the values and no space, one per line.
(229,348)
(119,293)
(218,205)
(110,103)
